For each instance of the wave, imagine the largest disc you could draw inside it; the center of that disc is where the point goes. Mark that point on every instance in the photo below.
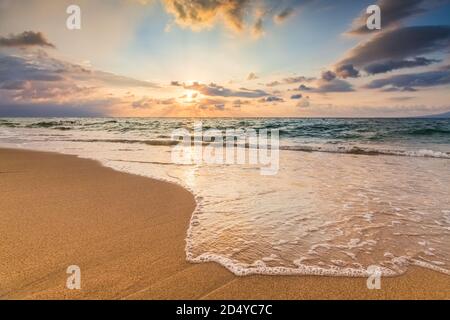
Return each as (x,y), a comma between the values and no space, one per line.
(8,124)
(146,142)
(428,131)
(260,268)
(422,153)
(99,123)
(326,130)
(339,149)
(53,124)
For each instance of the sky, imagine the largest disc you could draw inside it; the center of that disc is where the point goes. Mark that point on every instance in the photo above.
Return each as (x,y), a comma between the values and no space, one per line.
(224,58)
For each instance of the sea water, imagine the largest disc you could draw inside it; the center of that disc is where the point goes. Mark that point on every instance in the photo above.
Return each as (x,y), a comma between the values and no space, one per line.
(349,193)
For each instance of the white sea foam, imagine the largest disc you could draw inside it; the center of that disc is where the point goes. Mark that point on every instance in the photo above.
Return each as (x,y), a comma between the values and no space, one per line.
(366,150)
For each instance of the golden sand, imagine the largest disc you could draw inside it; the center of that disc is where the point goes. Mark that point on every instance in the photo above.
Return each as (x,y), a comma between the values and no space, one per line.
(127,234)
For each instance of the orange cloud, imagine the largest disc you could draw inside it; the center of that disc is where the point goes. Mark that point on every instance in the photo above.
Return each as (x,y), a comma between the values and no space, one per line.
(198,14)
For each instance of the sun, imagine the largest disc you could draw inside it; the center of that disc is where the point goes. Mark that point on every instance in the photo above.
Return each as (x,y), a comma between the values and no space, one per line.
(190,96)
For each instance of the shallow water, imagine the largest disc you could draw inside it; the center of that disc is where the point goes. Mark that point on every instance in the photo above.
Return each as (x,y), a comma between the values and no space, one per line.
(349,193)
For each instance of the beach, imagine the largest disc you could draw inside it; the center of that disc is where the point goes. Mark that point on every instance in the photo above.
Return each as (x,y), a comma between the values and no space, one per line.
(127,234)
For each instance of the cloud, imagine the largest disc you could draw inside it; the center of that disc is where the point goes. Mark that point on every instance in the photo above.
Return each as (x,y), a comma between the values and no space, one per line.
(328,75)
(40,67)
(258,30)
(220,91)
(289,80)
(405,89)
(303,87)
(392,13)
(397,99)
(274,84)
(239,102)
(145,103)
(271,99)
(347,71)
(296,96)
(283,15)
(118,80)
(236,15)
(211,104)
(17,69)
(79,109)
(220,106)
(303,103)
(335,85)
(399,44)
(28,80)
(198,14)
(408,82)
(391,65)
(297,79)
(252,76)
(59,88)
(25,39)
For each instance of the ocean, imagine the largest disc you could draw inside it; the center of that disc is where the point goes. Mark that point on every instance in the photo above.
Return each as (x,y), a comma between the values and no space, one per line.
(348,194)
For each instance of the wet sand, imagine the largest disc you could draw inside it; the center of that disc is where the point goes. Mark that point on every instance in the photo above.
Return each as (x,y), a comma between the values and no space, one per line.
(127,234)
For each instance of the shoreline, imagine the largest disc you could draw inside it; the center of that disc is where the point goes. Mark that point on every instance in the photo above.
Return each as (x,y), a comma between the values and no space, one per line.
(129,240)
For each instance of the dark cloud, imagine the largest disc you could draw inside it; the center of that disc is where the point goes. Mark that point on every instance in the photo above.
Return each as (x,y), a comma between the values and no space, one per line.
(92,109)
(391,65)
(392,13)
(284,15)
(25,39)
(57,88)
(271,99)
(347,71)
(17,69)
(392,89)
(13,85)
(399,44)
(408,82)
(297,79)
(328,75)
(32,69)
(303,87)
(220,91)
(335,85)
(296,96)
